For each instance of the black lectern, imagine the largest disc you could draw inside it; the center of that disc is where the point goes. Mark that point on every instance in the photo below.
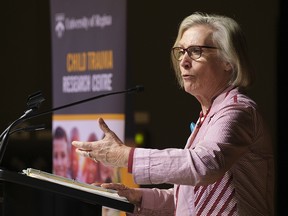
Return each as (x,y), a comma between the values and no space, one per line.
(22,195)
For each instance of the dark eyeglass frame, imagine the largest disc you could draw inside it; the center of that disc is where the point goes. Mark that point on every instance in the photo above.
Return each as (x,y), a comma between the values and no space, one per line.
(189,51)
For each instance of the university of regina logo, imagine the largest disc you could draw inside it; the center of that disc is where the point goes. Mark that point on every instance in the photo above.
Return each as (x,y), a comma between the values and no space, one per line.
(64,24)
(59,24)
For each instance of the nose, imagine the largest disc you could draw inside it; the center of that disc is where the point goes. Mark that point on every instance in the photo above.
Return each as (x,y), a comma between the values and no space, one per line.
(186,62)
(185,55)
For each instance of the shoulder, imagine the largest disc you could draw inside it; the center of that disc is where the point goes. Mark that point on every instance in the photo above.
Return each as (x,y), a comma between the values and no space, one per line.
(234,104)
(236,98)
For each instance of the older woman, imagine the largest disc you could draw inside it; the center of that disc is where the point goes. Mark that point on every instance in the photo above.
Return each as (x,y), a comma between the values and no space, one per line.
(226,167)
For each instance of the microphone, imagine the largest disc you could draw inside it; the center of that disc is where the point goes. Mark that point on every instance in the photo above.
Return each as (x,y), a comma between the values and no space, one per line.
(29,128)
(33,103)
(136,89)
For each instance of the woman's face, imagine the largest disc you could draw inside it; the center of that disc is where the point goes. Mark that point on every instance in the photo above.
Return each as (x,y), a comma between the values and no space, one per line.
(206,76)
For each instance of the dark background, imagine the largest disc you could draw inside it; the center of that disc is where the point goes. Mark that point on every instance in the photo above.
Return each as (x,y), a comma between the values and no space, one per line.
(162,112)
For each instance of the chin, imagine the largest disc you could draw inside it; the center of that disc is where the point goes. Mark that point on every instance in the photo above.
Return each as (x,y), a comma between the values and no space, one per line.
(186,87)
(189,88)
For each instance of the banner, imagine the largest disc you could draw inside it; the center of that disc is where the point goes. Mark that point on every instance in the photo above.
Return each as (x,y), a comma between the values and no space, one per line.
(88,59)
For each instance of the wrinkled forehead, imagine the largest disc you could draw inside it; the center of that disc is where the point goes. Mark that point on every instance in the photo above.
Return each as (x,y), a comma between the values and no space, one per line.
(197,35)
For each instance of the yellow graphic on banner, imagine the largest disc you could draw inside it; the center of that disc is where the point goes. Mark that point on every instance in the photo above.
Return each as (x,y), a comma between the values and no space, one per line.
(89,61)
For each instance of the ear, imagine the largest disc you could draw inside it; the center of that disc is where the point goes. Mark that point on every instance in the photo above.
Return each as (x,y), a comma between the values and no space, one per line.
(227,66)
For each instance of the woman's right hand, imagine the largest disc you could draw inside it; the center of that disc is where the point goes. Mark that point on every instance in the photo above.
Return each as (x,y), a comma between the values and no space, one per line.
(133,195)
(109,150)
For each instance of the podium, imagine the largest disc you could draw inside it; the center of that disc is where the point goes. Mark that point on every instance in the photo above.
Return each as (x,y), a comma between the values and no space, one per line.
(23,195)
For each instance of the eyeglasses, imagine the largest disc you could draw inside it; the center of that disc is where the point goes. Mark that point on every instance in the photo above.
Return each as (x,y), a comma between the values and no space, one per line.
(194,52)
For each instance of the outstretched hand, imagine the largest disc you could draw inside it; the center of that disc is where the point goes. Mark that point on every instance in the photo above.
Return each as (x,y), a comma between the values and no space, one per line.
(133,195)
(111,151)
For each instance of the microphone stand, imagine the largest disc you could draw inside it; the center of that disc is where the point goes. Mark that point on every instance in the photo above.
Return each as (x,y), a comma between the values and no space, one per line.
(33,105)
(137,89)
(5,135)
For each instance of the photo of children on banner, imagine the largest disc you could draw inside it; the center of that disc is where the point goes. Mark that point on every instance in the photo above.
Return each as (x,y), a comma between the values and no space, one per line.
(61,153)
(74,156)
(67,163)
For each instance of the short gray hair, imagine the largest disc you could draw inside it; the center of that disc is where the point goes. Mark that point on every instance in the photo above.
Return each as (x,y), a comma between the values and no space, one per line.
(229,37)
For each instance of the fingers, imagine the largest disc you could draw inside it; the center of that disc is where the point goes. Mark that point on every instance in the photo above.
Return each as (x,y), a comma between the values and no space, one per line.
(110,150)
(83,145)
(88,146)
(126,193)
(133,195)
(83,148)
(115,186)
(83,153)
(96,183)
(103,125)
(87,154)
